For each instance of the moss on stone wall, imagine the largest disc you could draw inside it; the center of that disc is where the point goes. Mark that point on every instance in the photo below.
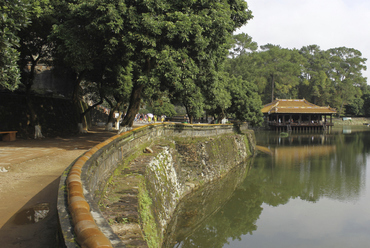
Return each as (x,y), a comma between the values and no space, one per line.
(177,167)
(149,225)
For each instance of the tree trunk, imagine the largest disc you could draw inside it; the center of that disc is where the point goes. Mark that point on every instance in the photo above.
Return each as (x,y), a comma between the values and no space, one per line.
(134,105)
(35,122)
(272,88)
(77,88)
(341,107)
(114,108)
(188,114)
(76,101)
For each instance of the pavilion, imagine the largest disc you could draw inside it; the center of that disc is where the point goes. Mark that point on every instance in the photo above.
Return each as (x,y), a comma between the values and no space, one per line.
(297,115)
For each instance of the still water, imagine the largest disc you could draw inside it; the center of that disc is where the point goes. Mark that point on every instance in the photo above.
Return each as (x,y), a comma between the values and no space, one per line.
(307,190)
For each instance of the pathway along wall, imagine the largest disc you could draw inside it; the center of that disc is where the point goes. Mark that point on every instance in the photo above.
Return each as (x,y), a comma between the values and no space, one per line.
(84,182)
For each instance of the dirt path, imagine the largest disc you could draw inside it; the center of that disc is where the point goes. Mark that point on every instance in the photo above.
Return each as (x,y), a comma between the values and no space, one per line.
(29,180)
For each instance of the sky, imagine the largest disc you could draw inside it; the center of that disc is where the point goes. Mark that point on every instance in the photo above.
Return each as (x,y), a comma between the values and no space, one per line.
(297,23)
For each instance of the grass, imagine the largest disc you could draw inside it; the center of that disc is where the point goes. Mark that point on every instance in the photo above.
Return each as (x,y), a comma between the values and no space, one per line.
(353,121)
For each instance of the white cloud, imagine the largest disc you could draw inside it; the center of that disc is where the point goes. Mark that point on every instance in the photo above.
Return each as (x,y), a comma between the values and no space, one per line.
(326,23)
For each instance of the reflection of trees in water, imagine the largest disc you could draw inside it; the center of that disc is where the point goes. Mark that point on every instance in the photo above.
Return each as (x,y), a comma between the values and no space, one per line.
(196,208)
(338,173)
(309,171)
(237,217)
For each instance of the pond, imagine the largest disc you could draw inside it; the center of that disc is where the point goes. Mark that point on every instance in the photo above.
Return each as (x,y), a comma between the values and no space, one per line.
(304,190)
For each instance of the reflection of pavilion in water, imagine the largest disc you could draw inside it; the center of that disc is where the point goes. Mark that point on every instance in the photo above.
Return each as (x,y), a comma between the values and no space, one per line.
(289,156)
(298,148)
(301,139)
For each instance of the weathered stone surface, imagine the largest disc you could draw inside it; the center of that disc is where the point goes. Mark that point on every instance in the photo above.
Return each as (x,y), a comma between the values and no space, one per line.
(147,187)
(176,168)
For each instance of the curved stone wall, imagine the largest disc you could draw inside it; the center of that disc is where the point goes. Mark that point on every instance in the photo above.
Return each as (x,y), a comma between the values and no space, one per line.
(82,184)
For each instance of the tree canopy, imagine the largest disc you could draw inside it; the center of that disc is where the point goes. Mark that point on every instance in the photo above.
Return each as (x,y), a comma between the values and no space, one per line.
(157,53)
(332,77)
(14,14)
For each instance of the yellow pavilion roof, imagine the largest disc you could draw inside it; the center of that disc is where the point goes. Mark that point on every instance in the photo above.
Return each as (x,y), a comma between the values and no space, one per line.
(295,106)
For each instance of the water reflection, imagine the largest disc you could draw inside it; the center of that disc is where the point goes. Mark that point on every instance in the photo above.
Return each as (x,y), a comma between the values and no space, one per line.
(32,215)
(196,208)
(299,181)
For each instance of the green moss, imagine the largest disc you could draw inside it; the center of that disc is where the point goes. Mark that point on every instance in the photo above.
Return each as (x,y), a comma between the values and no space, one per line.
(149,225)
(111,221)
(113,198)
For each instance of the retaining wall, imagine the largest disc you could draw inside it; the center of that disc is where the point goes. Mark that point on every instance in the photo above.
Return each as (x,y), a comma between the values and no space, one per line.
(82,184)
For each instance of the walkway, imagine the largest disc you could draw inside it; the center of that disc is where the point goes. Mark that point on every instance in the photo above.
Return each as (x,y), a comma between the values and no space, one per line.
(29,177)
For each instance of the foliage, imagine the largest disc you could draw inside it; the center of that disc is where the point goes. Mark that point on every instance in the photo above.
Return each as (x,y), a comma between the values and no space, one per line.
(242,44)
(14,14)
(315,83)
(235,97)
(163,107)
(280,68)
(355,107)
(34,43)
(332,77)
(366,106)
(246,103)
(177,45)
(345,73)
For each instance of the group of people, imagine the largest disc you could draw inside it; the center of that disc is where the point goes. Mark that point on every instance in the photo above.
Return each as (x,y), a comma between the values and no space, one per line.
(150,118)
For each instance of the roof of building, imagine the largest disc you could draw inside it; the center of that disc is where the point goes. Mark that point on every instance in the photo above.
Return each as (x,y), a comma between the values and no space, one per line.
(295,106)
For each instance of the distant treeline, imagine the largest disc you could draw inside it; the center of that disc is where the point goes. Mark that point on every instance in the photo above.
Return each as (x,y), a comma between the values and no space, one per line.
(324,77)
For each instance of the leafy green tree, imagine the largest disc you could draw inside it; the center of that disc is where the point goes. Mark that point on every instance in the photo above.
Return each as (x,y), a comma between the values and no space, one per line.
(240,62)
(163,40)
(176,42)
(315,84)
(34,44)
(35,48)
(280,68)
(218,98)
(117,86)
(246,104)
(242,44)
(355,107)
(233,97)
(14,14)
(366,106)
(90,38)
(163,106)
(346,65)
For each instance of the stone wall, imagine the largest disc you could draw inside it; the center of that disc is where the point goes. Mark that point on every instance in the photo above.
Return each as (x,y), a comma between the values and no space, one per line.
(169,175)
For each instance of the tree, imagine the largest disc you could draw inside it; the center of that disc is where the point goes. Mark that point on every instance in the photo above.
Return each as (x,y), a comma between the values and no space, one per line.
(219,97)
(355,107)
(162,106)
(14,14)
(242,44)
(366,106)
(346,65)
(280,68)
(172,36)
(35,48)
(315,83)
(90,38)
(246,103)
(118,86)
